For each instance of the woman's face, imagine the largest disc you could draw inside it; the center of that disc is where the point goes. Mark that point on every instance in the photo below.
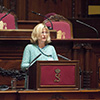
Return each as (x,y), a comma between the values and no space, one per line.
(43,36)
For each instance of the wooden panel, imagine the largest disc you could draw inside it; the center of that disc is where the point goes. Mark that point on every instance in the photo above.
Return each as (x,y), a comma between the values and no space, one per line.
(8,95)
(21,9)
(49,6)
(10,65)
(94,2)
(60,95)
(69,9)
(10,58)
(27,24)
(83,31)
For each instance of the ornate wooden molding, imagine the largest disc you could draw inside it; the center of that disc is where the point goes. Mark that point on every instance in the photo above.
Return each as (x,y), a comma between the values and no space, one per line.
(57,97)
(13,5)
(82,45)
(55,1)
(3,9)
(73,8)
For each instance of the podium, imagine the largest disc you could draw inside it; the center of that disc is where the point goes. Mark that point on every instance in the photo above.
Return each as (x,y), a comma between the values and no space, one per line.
(54,75)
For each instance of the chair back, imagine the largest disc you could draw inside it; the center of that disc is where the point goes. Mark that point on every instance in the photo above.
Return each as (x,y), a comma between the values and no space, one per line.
(62,25)
(9,21)
(49,14)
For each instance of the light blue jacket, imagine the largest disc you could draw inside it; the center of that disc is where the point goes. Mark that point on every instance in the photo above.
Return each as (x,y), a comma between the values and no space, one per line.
(31,51)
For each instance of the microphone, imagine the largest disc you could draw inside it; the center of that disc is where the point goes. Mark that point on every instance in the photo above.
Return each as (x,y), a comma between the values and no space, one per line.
(27,73)
(31,63)
(5,14)
(88,26)
(64,57)
(34,60)
(50,28)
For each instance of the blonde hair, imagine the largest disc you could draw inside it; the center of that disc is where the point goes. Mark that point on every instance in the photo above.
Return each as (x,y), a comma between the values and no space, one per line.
(37,31)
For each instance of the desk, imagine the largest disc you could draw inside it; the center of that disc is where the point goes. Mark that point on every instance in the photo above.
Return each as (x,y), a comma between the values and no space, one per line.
(50,95)
(60,95)
(8,95)
(20,34)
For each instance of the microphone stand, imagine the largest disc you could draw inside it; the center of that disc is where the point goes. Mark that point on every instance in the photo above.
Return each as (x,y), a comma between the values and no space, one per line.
(5,14)
(27,73)
(64,57)
(51,28)
(88,26)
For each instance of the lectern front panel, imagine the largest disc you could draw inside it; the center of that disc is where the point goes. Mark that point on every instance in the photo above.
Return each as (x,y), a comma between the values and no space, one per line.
(57,75)
(51,75)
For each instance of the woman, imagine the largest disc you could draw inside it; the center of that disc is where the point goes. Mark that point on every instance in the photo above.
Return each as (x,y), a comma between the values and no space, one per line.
(40,38)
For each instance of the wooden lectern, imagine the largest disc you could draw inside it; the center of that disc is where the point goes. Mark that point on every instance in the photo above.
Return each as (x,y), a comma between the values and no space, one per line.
(54,75)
